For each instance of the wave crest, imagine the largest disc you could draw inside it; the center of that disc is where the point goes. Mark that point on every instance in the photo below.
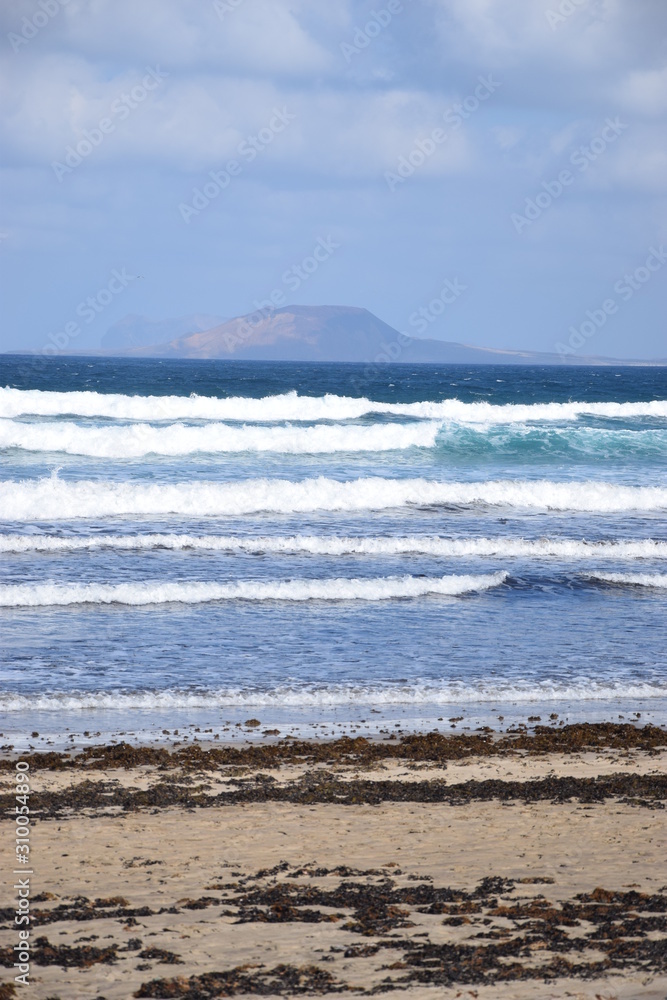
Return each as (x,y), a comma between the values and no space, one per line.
(51,498)
(418,693)
(335,545)
(140,594)
(292,406)
(657,580)
(138,440)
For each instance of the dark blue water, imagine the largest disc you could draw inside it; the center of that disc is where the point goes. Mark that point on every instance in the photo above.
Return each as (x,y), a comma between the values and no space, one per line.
(388,383)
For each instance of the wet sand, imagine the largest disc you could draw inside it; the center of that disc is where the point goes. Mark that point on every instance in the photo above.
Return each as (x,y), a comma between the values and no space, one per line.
(528,864)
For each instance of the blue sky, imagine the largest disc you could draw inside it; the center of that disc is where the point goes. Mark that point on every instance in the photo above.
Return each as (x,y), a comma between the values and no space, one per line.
(517,147)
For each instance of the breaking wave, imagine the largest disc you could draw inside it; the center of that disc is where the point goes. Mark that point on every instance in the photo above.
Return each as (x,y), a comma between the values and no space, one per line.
(138,440)
(658,580)
(516,691)
(562,548)
(51,498)
(140,594)
(291,406)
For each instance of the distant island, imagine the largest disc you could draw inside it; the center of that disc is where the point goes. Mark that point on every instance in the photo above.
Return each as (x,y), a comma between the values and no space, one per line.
(337,334)
(307,334)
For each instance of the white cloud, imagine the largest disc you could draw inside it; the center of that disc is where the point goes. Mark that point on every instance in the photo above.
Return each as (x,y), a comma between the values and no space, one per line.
(196,122)
(260,37)
(600,43)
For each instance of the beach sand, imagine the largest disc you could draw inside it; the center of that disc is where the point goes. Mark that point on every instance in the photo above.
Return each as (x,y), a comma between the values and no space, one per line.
(529,864)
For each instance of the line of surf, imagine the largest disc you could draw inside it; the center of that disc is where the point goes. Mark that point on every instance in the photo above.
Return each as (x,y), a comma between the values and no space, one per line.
(154,593)
(52,498)
(543,548)
(516,690)
(654,580)
(138,440)
(292,406)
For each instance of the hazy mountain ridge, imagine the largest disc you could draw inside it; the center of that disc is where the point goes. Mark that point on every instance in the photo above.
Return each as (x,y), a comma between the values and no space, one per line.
(337,334)
(140,331)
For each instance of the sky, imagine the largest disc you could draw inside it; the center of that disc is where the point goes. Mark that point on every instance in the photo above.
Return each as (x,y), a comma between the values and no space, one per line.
(172,157)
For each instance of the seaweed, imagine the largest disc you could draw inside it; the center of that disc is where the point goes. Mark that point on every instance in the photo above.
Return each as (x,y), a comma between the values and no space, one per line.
(433,747)
(641,790)
(283,980)
(45,953)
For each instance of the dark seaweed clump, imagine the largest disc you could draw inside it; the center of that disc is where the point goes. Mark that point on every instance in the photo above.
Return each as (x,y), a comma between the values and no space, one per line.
(434,747)
(45,953)
(647,790)
(283,980)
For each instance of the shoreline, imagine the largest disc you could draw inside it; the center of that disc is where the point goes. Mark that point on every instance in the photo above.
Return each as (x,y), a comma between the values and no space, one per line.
(29,732)
(490,864)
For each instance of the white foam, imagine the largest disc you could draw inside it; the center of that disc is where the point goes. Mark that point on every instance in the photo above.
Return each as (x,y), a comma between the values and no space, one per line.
(515,691)
(291,406)
(658,580)
(333,545)
(140,594)
(51,498)
(137,440)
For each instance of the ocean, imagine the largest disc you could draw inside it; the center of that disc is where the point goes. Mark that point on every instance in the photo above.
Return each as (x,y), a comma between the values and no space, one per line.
(185,545)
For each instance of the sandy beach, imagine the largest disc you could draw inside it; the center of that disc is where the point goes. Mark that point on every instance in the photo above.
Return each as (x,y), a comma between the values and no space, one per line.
(524,864)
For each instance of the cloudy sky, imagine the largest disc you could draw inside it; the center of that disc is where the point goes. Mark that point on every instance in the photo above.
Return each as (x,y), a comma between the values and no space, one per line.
(169,157)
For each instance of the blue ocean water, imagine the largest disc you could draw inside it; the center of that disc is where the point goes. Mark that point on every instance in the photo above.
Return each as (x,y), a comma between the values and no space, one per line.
(188,543)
